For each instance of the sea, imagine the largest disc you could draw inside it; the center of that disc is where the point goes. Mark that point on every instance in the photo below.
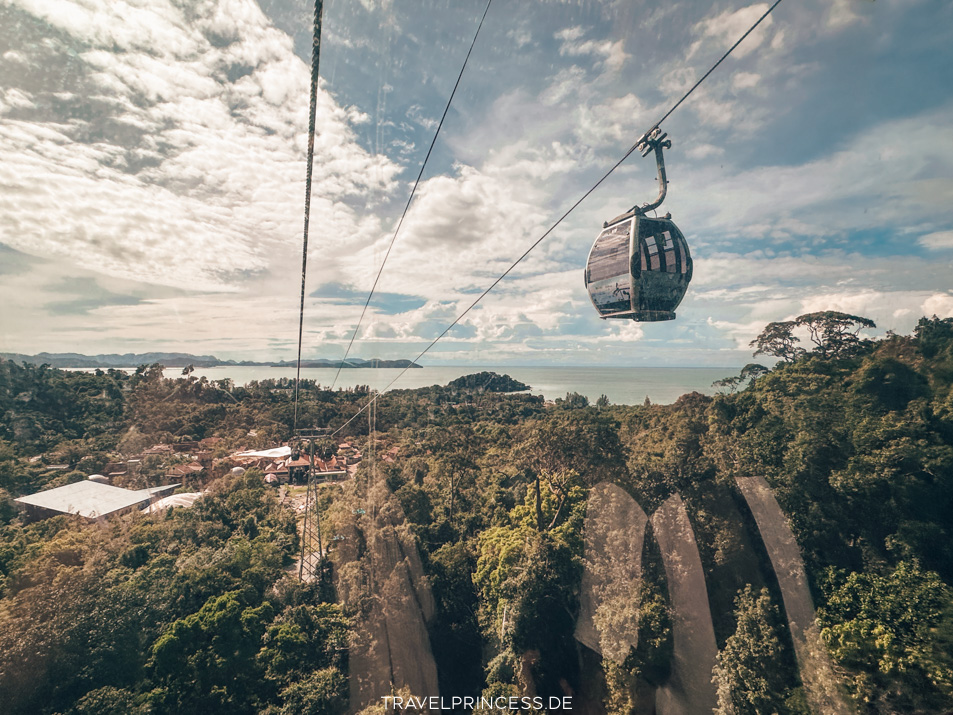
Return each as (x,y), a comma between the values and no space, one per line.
(621,385)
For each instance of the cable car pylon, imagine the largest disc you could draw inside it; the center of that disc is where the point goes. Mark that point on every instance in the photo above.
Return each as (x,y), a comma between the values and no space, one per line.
(312,550)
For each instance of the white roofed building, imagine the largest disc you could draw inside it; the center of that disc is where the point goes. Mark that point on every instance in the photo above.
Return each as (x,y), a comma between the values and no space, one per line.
(88,498)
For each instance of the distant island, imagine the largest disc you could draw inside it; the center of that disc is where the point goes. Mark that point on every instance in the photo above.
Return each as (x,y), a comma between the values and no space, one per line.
(488,382)
(132,360)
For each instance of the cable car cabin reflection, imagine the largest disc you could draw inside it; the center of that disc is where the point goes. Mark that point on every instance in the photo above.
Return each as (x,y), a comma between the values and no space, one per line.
(639,268)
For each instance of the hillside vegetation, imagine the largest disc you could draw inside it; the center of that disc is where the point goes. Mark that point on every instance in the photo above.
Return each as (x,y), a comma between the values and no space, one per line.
(195,610)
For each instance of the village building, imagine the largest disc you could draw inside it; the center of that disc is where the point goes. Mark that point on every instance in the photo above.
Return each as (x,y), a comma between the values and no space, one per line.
(280,466)
(183,472)
(158,449)
(182,501)
(90,499)
(203,457)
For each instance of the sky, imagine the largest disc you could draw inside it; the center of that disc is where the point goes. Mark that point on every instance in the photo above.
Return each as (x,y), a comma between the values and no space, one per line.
(153,160)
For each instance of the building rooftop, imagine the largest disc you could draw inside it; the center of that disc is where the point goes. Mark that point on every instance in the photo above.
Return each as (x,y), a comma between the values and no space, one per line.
(276,453)
(179,500)
(90,499)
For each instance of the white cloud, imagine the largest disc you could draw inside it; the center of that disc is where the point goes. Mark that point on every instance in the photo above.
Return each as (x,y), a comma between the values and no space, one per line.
(842,14)
(178,160)
(703,151)
(14,99)
(938,304)
(726,27)
(937,240)
(622,332)
(611,54)
(613,120)
(521,36)
(874,182)
(205,183)
(744,80)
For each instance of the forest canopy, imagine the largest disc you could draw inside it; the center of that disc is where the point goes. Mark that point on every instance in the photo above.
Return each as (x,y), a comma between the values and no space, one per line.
(198,609)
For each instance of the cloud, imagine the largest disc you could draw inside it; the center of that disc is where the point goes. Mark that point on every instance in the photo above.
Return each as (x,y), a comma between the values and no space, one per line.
(189,172)
(744,80)
(87,295)
(155,154)
(611,54)
(703,151)
(875,182)
(726,27)
(938,240)
(842,14)
(387,303)
(461,231)
(938,304)
(740,294)
(14,262)
(889,309)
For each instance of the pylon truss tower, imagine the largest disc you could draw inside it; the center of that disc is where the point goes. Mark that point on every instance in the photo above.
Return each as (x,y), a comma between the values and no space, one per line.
(312,550)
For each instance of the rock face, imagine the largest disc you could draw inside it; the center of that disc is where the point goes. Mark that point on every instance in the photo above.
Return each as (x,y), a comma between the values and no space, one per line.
(689,689)
(820,683)
(386,579)
(392,649)
(609,593)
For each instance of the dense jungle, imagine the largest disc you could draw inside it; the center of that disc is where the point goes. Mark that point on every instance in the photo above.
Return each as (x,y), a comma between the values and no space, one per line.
(200,609)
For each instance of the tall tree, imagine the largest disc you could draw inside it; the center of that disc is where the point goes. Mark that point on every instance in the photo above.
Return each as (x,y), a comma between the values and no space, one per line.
(563,447)
(746,673)
(835,334)
(778,340)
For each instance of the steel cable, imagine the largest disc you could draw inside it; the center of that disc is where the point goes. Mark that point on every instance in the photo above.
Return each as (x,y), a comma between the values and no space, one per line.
(411,197)
(315,58)
(563,217)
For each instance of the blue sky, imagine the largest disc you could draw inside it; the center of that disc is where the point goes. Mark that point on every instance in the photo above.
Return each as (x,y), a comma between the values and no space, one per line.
(152,172)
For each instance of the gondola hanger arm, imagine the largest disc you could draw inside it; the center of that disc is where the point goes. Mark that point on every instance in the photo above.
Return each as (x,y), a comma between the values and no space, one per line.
(656,141)
(653,140)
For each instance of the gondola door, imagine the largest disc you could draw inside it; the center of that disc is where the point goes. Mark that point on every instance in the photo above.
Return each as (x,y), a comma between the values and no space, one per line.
(608,270)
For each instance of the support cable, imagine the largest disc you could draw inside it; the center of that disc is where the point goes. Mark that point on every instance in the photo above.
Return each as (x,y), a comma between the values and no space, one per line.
(411,197)
(572,208)
(315,57)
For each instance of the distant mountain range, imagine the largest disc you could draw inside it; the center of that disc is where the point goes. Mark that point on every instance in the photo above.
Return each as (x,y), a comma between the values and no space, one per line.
(183,359)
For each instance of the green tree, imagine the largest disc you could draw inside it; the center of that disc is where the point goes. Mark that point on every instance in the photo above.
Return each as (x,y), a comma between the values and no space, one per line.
(108,701)
(778,340)
(527,581)
(747,676)
(889,629)
(455,633)
(325,448)
(834,334)
(454,463)
(574,401)
(752,371)
(323,692)
(206,661)
(303,637)
(934,335)
(749,373)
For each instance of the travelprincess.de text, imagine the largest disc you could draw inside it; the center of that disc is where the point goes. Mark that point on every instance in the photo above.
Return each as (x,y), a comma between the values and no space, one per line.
(396,702)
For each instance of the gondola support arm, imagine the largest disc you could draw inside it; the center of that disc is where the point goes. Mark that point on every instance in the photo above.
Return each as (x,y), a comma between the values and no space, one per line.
(655,141)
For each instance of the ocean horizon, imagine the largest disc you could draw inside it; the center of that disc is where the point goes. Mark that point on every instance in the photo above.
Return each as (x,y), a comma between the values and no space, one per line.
(621,385)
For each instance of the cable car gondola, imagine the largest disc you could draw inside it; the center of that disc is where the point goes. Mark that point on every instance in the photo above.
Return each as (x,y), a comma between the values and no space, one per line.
(639,267)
